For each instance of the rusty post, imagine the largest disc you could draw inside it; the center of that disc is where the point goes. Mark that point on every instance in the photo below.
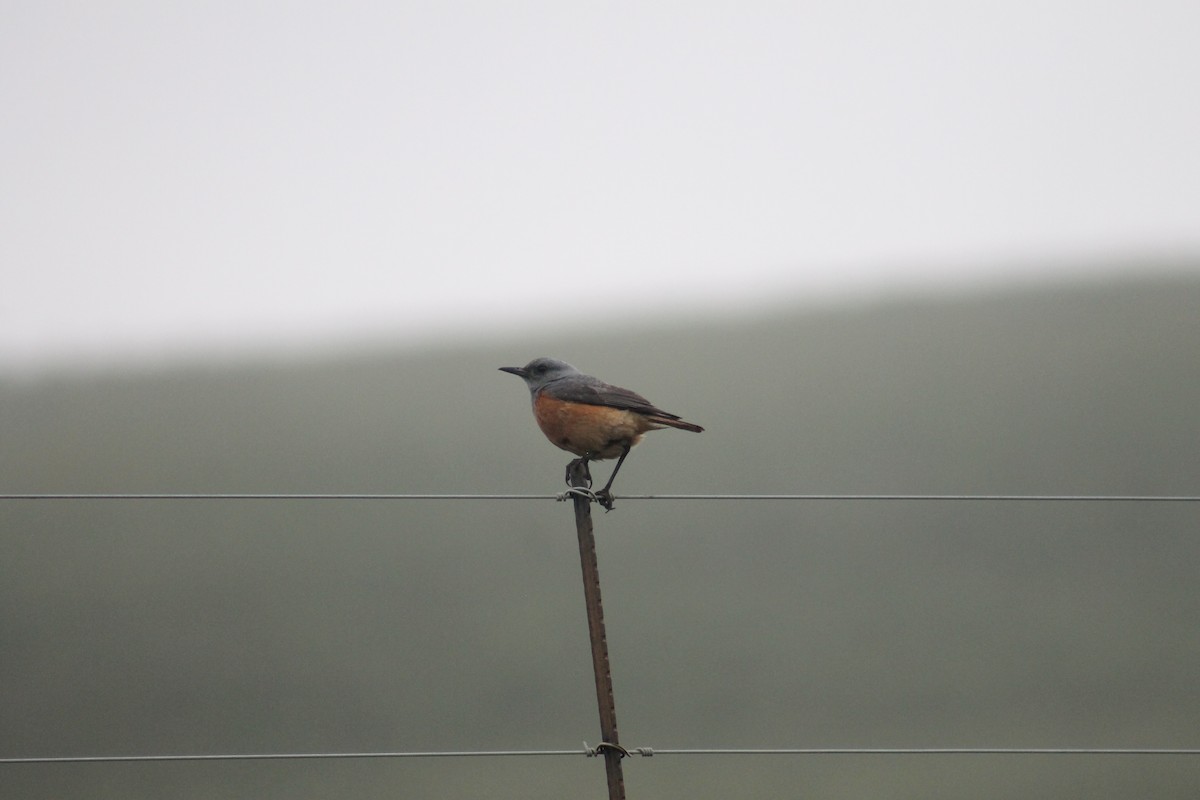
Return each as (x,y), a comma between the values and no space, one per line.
(595,616)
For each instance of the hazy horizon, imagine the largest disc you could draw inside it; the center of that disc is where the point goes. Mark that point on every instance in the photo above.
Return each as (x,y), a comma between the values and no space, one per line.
(352,341)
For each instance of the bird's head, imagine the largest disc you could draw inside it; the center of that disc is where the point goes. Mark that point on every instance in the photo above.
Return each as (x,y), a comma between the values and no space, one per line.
(540,371)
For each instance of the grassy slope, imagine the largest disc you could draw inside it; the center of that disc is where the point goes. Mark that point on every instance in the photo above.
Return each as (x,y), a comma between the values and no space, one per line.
(210,627)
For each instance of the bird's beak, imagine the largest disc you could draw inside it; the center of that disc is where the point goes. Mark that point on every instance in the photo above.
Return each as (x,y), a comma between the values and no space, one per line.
(518,371)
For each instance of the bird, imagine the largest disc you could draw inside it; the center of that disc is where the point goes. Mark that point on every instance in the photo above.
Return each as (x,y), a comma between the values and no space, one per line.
(590,418)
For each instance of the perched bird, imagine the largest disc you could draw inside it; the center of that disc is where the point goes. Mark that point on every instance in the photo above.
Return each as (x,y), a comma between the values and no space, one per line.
(590,418)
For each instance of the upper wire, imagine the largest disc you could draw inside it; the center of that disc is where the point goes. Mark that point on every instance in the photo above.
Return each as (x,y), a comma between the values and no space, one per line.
(1024,498)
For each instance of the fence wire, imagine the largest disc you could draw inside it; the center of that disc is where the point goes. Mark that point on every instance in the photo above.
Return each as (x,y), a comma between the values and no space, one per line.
(645,752)
(1020,498)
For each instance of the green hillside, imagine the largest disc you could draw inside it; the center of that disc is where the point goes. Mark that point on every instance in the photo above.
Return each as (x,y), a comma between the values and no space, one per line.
(206,626)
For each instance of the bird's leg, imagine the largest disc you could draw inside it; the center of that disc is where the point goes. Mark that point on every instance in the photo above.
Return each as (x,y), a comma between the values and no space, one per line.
(587,474)
(604,496)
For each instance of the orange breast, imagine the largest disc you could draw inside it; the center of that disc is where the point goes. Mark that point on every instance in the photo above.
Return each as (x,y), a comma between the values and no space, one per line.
(597,432)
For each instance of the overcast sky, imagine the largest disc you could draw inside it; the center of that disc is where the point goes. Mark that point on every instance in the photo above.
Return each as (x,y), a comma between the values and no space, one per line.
(186,176)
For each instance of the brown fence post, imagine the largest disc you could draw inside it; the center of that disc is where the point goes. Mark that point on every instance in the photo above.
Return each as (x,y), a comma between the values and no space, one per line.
(610,746)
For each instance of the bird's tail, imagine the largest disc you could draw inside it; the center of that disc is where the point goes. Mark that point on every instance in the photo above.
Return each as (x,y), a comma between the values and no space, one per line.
(675,422)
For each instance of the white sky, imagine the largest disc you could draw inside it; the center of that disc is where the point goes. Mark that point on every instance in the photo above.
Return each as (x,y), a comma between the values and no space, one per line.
(182,176)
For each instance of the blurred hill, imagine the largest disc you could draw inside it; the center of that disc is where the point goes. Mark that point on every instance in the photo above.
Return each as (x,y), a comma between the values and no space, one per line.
(161,627)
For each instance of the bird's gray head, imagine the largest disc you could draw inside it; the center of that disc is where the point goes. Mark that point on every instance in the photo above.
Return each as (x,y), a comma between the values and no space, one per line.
(540,371)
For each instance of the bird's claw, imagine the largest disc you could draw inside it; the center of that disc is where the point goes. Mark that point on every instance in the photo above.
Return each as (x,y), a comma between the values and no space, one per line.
(604,498)
(587,473)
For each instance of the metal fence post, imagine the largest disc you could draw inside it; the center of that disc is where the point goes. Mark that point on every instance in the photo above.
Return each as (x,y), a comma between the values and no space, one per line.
(610,746)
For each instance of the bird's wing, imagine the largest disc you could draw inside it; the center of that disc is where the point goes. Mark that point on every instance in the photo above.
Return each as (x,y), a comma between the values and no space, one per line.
(586,389)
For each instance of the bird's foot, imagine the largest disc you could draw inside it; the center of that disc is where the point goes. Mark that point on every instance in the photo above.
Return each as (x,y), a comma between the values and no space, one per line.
(605,498)
(582,463)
